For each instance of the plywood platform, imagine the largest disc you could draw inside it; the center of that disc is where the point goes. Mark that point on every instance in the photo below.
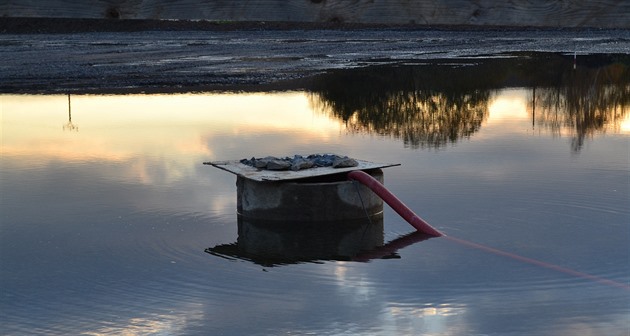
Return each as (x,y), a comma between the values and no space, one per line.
(252,173)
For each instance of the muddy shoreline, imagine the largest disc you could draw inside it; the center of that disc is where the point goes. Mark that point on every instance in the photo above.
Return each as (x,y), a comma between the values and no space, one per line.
(17,25)
(65,26)
(118,56)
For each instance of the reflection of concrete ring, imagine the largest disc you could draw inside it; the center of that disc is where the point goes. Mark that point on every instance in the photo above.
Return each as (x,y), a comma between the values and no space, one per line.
(273,243)
(284,241)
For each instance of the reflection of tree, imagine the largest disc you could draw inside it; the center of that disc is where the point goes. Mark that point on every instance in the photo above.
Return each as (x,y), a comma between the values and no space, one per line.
(586,101)
(399,103)
(441,102)
(424,118)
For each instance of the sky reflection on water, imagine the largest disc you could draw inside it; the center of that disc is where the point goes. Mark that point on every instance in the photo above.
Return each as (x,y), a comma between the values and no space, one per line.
(104,227)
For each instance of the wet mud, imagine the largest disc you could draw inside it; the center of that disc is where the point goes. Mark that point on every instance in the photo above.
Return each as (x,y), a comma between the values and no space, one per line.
(97,56)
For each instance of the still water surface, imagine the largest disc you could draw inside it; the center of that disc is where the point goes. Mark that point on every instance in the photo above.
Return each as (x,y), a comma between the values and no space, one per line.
(107,211)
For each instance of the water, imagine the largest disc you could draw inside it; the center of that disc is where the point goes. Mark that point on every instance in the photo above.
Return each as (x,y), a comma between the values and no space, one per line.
(107,210)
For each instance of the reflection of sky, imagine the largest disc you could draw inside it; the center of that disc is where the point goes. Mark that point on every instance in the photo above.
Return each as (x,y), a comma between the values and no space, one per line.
(156,140)
(510,110)
(105,227)
(115,128)
(508,106)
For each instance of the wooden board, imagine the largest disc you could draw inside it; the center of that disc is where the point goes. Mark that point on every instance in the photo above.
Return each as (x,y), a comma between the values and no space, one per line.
(243,170)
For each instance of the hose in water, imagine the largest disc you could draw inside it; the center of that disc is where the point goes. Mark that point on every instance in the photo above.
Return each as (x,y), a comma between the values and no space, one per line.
(394,202)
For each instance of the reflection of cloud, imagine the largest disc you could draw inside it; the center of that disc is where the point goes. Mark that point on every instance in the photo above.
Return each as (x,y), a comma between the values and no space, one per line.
(158,141)
(152,325)
(439,319)
(509,105)
(358,289)
(433,310)
(399,317)
(161,137)
(156,171)
(507,114)
(589,326)
(625,124)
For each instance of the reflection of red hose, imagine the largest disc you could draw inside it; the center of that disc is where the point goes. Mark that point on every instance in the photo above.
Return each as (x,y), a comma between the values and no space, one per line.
(541,263)
(381,252)
(425,228)
(394,202)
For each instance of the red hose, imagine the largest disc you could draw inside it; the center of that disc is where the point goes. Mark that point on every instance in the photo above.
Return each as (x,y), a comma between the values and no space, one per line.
(394,202)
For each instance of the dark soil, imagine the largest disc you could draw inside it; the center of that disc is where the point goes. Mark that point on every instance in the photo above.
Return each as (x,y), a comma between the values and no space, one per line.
(15,25)
(62,25)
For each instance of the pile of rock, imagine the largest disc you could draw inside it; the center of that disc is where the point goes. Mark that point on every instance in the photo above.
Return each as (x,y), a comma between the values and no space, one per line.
(299,162)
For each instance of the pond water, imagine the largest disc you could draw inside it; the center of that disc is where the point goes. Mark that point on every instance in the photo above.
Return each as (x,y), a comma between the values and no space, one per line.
(108,213)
